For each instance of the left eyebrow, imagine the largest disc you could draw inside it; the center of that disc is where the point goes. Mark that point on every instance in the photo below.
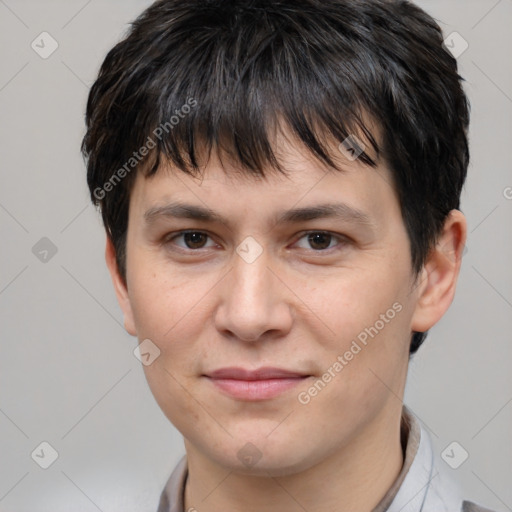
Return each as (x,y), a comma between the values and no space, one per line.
(340,211)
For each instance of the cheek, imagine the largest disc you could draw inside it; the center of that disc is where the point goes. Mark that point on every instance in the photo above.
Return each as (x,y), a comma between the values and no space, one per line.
(161,298)
(169,309)
(367,340)
(363,364)
(165,308)
(173,395)
(347,306)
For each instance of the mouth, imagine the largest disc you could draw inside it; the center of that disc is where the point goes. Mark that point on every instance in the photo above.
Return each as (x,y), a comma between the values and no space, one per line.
(250,385)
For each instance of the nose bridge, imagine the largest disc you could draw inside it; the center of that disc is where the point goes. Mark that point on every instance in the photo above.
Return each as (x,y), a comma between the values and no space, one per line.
(251,303)
(251,286)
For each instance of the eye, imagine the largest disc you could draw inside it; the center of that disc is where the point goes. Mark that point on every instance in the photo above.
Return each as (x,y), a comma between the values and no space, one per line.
(321,240)
(192,239)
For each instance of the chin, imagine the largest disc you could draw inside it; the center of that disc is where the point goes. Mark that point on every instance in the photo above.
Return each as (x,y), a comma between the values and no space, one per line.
(269,461)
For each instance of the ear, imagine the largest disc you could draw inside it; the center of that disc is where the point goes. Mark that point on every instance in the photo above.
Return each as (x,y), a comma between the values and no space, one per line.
(438,278)
(120,287)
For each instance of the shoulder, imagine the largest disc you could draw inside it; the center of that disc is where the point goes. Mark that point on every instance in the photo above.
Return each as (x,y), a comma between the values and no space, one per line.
(468,506)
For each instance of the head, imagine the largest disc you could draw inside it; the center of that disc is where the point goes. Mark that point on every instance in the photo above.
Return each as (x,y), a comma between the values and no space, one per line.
(250,108)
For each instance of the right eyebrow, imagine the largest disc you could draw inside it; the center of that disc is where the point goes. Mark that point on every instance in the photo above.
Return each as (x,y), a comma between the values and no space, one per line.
(189,211)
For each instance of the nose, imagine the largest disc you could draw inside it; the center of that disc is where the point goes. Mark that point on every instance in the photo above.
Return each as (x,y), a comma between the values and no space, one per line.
(254,301)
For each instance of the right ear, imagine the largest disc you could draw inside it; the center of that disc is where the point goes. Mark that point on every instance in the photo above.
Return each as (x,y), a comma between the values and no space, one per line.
(120,287)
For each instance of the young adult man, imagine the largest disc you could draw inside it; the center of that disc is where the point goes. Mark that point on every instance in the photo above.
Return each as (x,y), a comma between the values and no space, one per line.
(280,186)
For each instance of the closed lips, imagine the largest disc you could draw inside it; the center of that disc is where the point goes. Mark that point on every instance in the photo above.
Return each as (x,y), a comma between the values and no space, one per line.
(266,373)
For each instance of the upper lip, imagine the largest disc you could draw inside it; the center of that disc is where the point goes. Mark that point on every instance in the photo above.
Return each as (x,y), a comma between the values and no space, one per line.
(266,372)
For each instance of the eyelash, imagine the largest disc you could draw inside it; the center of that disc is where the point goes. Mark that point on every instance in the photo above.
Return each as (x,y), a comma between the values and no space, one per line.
(342,240)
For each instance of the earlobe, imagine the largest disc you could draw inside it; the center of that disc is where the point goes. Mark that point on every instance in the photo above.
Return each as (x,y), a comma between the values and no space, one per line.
(437,282)
(120,287)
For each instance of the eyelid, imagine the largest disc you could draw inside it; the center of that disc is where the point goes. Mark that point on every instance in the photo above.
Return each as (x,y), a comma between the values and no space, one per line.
(171,236)
(342,239)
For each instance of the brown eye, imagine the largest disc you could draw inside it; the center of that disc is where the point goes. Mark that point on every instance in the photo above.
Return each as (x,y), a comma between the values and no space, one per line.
(320,241)
(193,240)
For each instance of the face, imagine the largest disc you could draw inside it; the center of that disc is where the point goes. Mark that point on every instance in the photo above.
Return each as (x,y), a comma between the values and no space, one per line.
(330,298)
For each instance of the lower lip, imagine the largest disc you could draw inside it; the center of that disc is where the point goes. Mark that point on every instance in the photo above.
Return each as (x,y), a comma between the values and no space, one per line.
(256,389)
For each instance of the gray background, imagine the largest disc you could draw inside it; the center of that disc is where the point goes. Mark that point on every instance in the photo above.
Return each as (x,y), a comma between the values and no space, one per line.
(68,375)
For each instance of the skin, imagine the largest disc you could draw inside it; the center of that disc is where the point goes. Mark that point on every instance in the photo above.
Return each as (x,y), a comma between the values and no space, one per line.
(298,306)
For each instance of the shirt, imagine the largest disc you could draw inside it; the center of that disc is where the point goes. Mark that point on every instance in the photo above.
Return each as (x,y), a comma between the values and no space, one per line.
(423,484)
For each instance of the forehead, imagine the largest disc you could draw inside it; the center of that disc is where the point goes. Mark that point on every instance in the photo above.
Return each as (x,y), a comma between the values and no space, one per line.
(223,193)
(303,169)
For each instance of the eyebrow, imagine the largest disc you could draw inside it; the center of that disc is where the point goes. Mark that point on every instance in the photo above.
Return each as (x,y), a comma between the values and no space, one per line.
(340,211)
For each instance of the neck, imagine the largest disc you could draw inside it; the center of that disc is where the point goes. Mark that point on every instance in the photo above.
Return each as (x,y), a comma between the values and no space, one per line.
(355,477)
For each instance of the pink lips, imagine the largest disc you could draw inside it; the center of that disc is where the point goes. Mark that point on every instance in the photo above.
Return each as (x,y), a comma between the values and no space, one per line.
(259,384)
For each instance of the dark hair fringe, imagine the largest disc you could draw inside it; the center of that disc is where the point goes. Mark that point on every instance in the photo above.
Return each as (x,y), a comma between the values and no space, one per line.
(319,69)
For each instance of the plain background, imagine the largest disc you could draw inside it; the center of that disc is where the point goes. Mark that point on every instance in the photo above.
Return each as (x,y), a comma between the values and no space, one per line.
(68,375)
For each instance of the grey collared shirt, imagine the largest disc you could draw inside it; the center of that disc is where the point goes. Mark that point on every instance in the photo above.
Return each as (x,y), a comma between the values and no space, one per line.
(423,484)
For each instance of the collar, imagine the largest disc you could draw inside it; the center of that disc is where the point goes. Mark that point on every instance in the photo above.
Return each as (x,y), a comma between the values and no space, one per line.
(423,484)
(427,486)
